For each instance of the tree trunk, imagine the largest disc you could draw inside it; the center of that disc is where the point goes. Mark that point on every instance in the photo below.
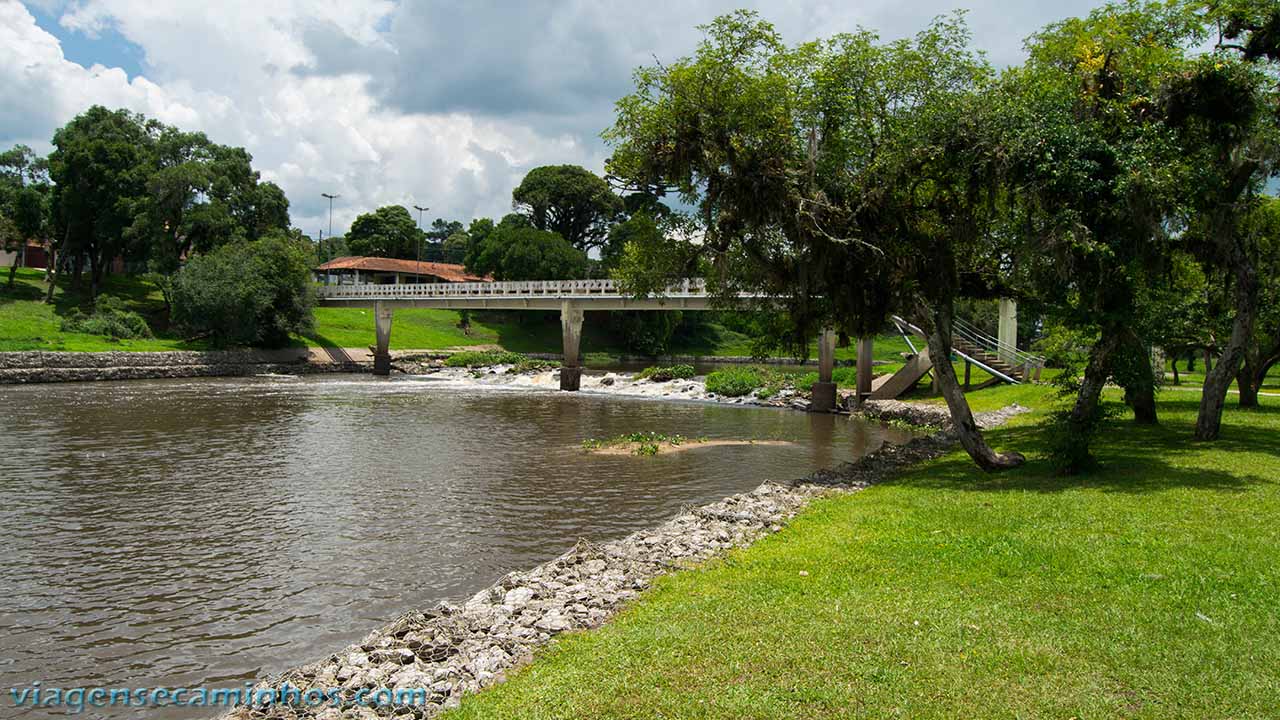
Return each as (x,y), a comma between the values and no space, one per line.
(1244,383)
(53,278)
(1081,423)
(1143,402)
(95,275)
(92,277)
(1176,379)
(1191,361)
(962,421)
(1218,380)
(1141,391)
(77,271)
(13,271)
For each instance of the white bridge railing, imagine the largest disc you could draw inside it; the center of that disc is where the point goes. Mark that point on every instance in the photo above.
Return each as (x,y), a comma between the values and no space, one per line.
(693,288)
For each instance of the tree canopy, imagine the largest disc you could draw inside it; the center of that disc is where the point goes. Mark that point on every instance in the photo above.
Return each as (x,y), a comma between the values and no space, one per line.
(389,231)
(570,201)
(516,250)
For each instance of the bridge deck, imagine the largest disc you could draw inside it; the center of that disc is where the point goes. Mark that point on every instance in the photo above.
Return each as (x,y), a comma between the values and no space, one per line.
(530,295)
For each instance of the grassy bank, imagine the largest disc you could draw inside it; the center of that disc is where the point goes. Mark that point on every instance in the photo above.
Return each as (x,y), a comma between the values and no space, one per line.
(1148,589)
(27,323)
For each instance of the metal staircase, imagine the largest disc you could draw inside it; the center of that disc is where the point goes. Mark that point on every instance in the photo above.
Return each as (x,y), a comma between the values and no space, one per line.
(1002,361)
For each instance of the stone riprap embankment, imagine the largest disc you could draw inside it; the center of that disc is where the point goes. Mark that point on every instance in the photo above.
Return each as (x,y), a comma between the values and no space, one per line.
(452,650)
(43,367)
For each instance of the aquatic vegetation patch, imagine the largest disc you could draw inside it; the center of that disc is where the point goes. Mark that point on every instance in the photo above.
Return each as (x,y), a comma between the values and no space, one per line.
(666,373)
(641,443)
(737,382)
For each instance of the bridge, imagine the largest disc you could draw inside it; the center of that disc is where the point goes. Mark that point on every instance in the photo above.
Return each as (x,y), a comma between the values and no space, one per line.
(573,297)
(570,297)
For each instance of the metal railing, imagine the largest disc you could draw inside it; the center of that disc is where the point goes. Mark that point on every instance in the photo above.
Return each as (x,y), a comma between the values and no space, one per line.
(1009,353)
(1029,364)
(690,288)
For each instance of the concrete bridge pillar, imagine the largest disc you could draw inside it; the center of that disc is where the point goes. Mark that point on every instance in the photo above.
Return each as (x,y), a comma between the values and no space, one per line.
(823,396)
(571,328)
(1007,329)
(865,346)
(382,326)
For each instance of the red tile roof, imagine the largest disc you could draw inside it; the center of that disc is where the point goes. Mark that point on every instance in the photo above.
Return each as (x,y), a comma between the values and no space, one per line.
(445,271)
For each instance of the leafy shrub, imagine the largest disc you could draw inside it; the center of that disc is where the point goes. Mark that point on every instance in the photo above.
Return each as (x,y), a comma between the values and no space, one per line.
(110,319)
(666,373)
(734,382)
(484,358)
(247,293)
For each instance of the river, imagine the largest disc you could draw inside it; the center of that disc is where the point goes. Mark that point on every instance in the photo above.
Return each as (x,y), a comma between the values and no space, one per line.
(184,533)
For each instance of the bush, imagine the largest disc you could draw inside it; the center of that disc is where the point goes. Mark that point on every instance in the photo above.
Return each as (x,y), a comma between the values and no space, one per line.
(247,293)
(734,382)
(660,373)
(484,358)
(110,319)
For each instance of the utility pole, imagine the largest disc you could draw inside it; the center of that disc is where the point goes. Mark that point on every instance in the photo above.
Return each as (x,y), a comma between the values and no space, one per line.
(331,199)
(420,210)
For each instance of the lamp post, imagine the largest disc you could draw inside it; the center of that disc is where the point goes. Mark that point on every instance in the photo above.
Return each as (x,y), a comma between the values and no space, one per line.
(420,210)
(331,199)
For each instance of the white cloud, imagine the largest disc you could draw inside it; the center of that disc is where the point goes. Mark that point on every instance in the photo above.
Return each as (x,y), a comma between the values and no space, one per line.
(435,103)
(309,133)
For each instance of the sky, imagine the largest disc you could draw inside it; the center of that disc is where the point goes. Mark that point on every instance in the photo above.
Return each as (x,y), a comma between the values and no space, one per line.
(445,104)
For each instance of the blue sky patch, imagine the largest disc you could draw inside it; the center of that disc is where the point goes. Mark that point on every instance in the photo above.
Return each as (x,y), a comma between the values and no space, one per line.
(108,48)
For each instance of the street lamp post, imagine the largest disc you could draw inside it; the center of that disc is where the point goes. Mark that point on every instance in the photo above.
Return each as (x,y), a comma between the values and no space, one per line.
(420,210)
(331,199)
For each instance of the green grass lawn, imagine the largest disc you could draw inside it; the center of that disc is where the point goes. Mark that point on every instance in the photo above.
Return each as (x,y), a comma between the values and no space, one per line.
(1147,590)
(26,323)
(1196,379)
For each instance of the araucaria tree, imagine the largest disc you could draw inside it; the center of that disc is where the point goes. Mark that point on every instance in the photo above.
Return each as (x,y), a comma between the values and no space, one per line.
(845,178)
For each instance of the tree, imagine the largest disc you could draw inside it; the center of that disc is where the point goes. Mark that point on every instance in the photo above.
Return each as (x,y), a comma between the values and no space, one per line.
(515,250)
(100,165)
(568,200)
(388,231)
(1224,109)
(247,293)
(456,247)
(1262,353)
(1094,190)
(24,200)
(806,167)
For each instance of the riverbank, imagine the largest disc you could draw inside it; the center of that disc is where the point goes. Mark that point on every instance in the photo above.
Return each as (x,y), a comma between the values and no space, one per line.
(52,367)
(452,650)
(1146,589)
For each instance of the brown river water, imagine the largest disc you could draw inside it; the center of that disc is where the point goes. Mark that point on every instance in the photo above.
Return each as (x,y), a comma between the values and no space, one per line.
(186,533)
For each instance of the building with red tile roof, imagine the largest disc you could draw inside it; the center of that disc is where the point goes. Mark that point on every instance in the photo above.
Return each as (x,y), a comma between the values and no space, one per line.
(389,271)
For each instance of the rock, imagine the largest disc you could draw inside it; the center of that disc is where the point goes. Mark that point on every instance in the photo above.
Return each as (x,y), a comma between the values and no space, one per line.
(518,597)
(553,622)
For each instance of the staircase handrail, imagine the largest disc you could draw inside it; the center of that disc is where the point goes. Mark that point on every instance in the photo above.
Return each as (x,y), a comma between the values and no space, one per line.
(903,323)
(975,335)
